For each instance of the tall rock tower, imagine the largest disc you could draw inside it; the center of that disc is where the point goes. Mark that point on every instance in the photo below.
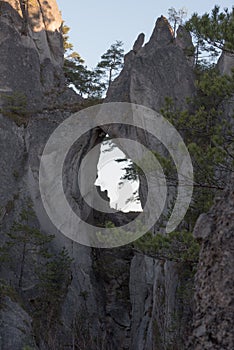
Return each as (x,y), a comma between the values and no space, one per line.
(31,49)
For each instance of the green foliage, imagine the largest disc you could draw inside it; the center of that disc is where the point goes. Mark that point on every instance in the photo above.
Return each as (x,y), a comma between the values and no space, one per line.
(180,247)
(28,241)
(55,277)
(213,32)
(15,107)
(68,47)
(209,138)
(53,281)
(51,272)
(118,234)
(86,81)
(111,62)
(7,291)
(90,83)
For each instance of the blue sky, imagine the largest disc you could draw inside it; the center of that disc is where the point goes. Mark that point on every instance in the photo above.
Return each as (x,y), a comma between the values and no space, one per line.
(95,25)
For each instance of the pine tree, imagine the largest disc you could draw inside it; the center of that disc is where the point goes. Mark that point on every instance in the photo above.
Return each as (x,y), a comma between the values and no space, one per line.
(87,82)
(111,62)
(28,240)
(213,32)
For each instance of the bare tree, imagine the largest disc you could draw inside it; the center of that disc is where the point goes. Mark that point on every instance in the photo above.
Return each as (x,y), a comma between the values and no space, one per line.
(176,17)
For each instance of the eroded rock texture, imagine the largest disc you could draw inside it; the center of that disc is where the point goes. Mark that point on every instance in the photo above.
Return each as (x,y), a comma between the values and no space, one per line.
(159,69)
(31,50)
(214,310)
(114,299)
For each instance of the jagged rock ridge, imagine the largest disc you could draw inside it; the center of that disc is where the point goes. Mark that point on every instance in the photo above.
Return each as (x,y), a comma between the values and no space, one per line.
(120,299)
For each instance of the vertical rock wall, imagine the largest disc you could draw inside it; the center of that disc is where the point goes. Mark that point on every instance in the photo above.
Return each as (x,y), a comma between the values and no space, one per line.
(214,310)
(31,50)
(116,299)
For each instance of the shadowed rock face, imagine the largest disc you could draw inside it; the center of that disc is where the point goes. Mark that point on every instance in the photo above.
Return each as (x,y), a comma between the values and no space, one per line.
(159,69)
(31,49)
(184,41)
(214,310)
(226,63)
(127,300)
(122,299)
(151,73)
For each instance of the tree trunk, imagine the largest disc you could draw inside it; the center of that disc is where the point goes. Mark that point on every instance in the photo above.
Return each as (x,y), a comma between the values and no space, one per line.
(24,10)
(22,266)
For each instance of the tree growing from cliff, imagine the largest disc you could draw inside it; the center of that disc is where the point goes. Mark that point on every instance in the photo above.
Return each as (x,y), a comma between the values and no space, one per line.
(87,82)
(176,17)
(28,241)
(54,277)
(111,62)
(206,130)
(210,142)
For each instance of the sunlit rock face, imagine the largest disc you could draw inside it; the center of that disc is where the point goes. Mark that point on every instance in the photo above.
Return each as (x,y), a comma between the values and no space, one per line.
(40,23)
(31,49)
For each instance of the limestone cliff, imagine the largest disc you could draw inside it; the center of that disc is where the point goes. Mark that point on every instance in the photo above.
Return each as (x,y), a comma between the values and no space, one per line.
(125,301)
(157,70)
(113,299)
(214,311)
(31,49)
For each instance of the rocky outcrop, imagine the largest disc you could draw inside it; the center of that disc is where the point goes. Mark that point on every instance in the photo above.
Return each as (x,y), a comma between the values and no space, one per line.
(114,299)
(214,311)
(138,43)
(225,66)
(184,41)
(226,63)
(113,294)
(162,68)
(14,320)
(31,49)
(156,71)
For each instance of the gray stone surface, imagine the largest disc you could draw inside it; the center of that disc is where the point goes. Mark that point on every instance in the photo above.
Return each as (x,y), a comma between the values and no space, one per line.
(214,310)
(160,69)
(116,299)
(226,63)
(184,41)
(31,50)
(138,43)
(15,327)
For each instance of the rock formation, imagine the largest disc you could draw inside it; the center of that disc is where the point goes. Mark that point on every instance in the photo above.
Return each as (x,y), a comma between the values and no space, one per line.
(214,310)
(31,49)
(156,71)
(115,299)
(138,43)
